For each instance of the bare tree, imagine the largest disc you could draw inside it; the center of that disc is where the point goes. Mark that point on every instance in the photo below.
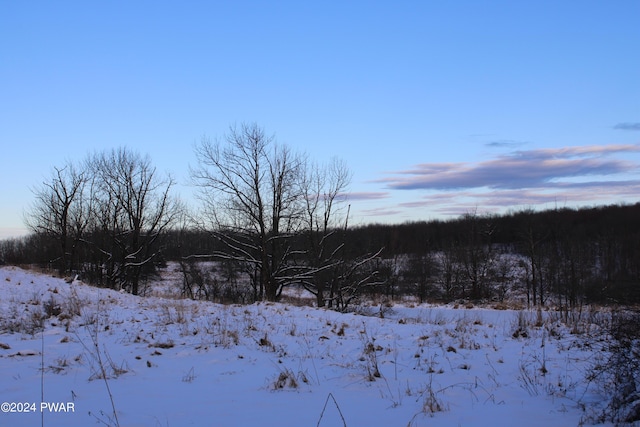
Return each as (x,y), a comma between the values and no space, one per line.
(274,213)
(333,275)
(533,238)
(420,269)
(134,206)
(323,190)
(250,188)
(476,254)
(60,212)
(450,271)
(352,276)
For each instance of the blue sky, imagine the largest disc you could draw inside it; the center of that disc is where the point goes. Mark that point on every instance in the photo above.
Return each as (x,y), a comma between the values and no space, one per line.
(438,108)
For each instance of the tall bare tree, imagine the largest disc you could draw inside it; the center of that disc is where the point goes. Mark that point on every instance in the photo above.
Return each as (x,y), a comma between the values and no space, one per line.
(134,205)
(533,237)
(249,186)
(323,189)
(476,254)
(60,212)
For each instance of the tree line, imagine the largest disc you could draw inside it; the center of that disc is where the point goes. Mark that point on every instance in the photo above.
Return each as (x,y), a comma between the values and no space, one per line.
(271,218)
(561,257)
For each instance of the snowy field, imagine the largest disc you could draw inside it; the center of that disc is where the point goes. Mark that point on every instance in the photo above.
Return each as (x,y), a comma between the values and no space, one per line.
(115,359)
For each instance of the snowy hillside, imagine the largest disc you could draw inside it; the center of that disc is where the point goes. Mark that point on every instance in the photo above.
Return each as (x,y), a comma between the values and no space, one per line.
(171,362)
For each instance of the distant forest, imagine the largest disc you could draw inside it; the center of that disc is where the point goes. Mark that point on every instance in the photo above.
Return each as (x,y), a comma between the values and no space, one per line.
(560,258)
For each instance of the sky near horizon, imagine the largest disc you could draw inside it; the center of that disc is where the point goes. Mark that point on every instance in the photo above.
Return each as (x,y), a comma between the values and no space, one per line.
(438,108)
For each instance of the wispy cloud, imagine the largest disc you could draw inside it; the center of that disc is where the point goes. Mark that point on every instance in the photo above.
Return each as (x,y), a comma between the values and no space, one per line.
(366,195)
(517,170)
(521,179)
(505,143)
(628,126)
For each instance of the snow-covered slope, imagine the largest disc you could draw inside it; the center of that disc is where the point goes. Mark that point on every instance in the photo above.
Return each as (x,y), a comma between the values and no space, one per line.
(171,362)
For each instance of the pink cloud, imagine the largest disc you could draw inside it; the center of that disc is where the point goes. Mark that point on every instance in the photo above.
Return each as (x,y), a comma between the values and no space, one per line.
(367,195)
(520,169)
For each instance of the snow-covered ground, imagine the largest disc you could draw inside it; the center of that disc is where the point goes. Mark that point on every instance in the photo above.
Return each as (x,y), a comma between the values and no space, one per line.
(172,362)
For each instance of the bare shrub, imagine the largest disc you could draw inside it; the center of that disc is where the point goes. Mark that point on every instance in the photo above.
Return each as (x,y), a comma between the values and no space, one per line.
(529,379)
(618,374)
(266,343)
(288,379)
(174,312)
(521,325)
(72,305)
(51,308)
(431,402)
(369,355)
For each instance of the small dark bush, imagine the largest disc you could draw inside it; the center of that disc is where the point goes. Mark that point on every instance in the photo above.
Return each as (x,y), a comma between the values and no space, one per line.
(618,375)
